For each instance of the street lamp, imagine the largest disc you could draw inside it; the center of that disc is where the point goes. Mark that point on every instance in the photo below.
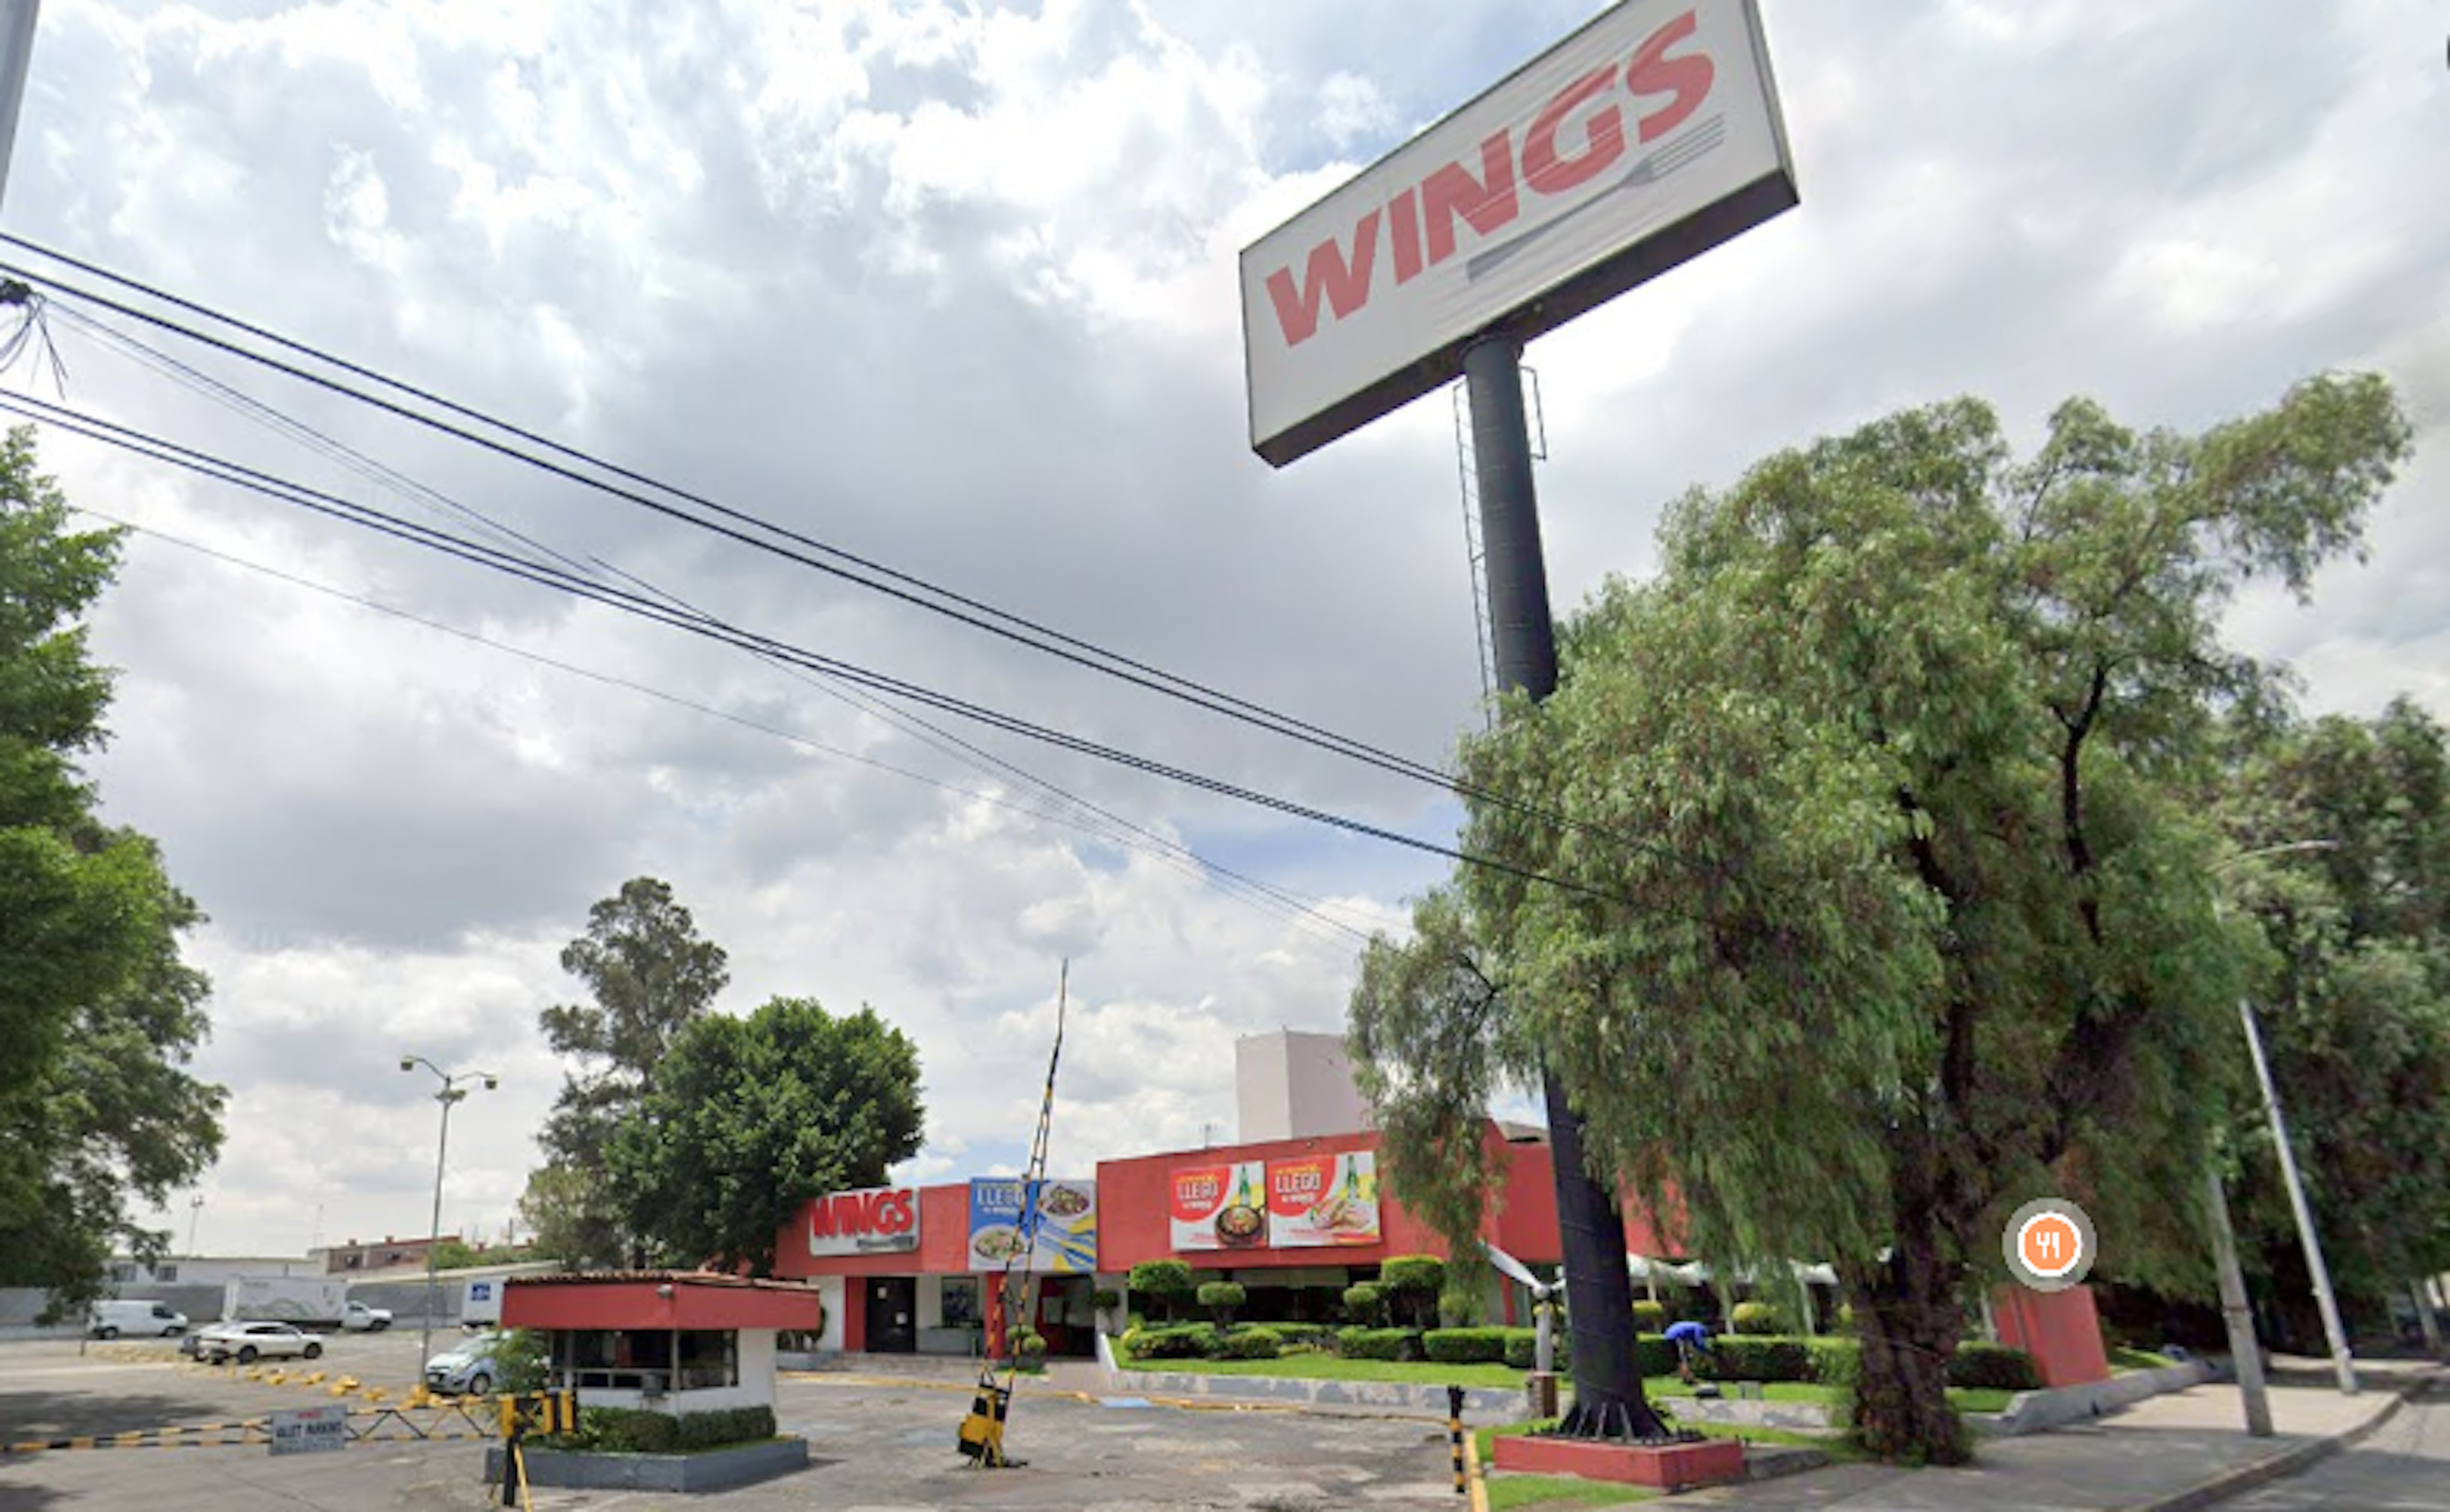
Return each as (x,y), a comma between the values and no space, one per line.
(2332,1331)
(451,1092)
(195,1211)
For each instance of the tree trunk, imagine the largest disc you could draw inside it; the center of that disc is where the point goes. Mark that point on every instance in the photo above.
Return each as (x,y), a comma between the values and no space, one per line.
(1608,1403)
(1908,1318)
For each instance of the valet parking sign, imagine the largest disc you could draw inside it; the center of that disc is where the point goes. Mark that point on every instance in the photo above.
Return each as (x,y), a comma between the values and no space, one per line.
(1644,140)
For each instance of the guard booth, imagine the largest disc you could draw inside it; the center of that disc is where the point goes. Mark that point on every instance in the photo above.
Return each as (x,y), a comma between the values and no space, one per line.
(663,1341)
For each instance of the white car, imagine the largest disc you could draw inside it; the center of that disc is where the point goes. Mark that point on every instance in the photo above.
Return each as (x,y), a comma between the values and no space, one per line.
(249,1342)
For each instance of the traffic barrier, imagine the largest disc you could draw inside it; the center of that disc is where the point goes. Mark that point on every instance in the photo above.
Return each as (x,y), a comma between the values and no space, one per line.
(540,1412)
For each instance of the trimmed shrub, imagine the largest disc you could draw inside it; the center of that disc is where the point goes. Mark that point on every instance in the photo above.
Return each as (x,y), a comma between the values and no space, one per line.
(1756,1318)
(1836,1362)
(1379,1344)
(1464,1345)
(1173,1341)
(712,1430)
(1651,1317)
(1845,1317)
(1105,1298)
(1412,1282)
(1523,1349)
(1653,1356)
(1747,1357)
(628,1430)
(1168,1281)
(1993,1366)
(1366,1304)
(1220,1298)
(1313,1335)
(1259,1342)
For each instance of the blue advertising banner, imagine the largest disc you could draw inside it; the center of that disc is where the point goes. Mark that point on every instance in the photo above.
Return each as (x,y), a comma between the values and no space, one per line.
(1063,1218)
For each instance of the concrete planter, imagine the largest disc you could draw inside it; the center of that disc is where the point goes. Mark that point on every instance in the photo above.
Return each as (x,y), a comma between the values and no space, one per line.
(714,1470)
(2039,1411)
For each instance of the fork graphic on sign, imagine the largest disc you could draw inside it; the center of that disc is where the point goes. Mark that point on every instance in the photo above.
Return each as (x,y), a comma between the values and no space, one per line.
(1681,153)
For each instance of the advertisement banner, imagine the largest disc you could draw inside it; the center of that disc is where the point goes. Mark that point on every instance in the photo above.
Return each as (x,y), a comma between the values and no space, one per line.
(1323,1200)
(879,1218)
(1064,1217)
(1221,1207)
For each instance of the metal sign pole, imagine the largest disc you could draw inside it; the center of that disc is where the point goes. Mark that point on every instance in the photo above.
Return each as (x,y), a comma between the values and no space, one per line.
(16,58)
(1608,1403)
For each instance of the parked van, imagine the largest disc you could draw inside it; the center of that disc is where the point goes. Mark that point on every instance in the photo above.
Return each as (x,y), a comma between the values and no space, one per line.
(112,1318)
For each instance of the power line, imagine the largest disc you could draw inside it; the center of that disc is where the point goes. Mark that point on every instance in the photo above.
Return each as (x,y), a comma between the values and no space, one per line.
(828,559)
(1119,829)
(298,495)
(954,606)
(1306,912)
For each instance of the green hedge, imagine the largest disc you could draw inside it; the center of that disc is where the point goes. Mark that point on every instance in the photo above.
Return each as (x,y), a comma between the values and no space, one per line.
(1523,1349)
(1836,1362)
(1366,1304)
(1173,1341)
(1379,1344)
(627,1430)
(1259,1343)
(1747,1357)
(1464,1345)
(1318,1335)
(1995,1367)
(1651,1317)
(1756,1318)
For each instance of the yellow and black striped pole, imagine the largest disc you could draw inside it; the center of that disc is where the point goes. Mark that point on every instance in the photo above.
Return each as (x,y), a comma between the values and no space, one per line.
(1455,1436)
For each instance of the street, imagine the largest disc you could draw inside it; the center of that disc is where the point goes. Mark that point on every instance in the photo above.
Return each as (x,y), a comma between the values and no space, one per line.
(2405,1464)
(874,1443)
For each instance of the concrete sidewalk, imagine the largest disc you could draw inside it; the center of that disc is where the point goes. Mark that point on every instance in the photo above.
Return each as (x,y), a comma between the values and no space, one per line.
(2171,1454)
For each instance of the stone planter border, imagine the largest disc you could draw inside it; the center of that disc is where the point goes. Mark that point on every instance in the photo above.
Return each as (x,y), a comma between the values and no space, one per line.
(714,1470)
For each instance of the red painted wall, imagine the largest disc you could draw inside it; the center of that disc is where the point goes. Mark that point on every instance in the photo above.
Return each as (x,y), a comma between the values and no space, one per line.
(944,1243)
(2060,1330)
(643,1304)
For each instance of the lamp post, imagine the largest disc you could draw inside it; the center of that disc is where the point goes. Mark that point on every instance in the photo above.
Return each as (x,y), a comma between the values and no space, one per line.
(451,1092)
(195,1211)
(2325,1301)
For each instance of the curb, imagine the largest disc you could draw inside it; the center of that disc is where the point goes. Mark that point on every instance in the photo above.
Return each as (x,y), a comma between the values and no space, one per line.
(2293,1461)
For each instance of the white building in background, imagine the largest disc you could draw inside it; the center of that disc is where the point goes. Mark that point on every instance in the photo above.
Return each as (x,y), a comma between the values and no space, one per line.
(1295,1085)
(207,1270)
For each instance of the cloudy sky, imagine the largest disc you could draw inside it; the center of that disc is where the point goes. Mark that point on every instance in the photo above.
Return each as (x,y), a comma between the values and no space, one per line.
(953,286)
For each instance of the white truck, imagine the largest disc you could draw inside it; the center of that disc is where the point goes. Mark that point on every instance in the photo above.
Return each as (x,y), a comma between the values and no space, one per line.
(299,1299)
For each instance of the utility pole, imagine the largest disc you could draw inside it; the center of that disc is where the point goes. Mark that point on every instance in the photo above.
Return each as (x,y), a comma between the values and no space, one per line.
(2342,1362)
(2236,1312)
(2334,1334)
(17,60)
(1608,1402)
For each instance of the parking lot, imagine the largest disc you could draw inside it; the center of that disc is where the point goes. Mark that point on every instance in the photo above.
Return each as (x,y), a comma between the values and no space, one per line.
(877,1444)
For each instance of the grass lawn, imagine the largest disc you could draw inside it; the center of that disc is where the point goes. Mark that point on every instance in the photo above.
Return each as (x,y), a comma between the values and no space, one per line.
(1507,1491)
(2138,1360)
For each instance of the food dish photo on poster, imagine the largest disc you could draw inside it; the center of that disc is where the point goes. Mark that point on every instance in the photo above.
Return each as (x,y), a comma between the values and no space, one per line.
(1065,1219)
(1221,1207)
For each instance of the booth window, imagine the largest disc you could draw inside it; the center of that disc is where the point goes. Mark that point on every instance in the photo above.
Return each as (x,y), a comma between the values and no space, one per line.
(707,1357)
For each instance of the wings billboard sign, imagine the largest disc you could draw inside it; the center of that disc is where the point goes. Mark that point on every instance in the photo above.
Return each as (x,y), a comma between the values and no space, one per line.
(1641,140)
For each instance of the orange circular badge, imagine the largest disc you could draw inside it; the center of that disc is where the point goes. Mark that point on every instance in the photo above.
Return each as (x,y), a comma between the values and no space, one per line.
(2050,1244)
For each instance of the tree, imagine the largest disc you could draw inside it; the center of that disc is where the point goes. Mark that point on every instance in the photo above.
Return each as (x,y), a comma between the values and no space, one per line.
(571,1223)
(650,977)
(99,1014)
(1879,905)
(2355,1004)
(751,1117)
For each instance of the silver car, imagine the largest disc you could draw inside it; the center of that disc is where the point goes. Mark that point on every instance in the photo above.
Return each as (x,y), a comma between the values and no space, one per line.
(470,1368)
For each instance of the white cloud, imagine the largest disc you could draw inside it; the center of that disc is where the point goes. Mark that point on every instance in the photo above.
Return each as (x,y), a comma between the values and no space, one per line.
(954,287)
